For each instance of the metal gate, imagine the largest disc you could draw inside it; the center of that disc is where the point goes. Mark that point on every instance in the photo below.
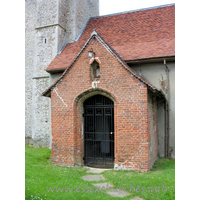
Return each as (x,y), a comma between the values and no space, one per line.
(99,132)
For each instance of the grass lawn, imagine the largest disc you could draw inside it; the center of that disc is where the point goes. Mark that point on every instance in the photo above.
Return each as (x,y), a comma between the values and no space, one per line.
(41,175)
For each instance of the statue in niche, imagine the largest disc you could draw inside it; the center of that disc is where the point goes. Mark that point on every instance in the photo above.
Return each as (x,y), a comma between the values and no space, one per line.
(95,71)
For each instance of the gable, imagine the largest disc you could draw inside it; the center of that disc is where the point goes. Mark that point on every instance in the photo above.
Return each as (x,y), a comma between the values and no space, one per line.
(101,45)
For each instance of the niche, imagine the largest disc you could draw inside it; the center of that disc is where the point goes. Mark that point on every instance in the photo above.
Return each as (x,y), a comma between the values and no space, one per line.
(95,71)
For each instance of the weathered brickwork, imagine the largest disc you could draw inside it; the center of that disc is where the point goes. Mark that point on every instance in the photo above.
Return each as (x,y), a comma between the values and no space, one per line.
(131,111)
(47,26)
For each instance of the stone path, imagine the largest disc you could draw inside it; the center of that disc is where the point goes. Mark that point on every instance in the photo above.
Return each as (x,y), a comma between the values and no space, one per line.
(104,186)
(118,193)
(137,198)
(108,188)
(93,178)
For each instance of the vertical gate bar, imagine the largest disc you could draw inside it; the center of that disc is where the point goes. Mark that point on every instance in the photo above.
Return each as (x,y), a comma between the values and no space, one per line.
(90,147)
(84,135)
(94,136)
(102,134)
(111,138)
(99,142)
(100,139)
(90,140)
(111,135)
(113,128)
(85,161)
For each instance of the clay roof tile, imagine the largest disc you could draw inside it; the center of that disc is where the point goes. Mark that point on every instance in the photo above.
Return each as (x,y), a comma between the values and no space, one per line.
(135,35)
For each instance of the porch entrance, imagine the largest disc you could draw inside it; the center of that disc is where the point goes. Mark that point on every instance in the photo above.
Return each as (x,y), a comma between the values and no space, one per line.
(99,132)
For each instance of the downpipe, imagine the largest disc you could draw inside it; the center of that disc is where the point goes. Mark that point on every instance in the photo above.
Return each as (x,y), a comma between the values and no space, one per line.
(167,108)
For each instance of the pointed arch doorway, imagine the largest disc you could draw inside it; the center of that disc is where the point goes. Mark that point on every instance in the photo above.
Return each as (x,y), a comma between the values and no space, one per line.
(99,132)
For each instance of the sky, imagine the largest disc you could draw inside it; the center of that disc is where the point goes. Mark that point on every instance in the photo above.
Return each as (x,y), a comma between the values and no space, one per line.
(115,6)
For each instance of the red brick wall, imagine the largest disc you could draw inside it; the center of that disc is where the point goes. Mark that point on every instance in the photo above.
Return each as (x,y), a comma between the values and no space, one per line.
(130,98)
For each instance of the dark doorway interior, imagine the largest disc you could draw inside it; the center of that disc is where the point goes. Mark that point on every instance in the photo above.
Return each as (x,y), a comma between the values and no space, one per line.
(99,132)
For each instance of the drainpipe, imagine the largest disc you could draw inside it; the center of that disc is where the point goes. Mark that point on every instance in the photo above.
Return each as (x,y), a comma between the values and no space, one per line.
(167,113)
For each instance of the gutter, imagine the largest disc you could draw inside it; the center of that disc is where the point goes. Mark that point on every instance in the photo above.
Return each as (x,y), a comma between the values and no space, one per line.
(151,60)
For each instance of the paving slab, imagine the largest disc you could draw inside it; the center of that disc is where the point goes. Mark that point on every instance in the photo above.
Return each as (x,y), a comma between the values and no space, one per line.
(93,178)
(103,185)
(118,193)
(137,198)
(95,171)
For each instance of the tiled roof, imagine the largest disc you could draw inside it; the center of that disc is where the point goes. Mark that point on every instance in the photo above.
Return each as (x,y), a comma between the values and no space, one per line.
(134,35)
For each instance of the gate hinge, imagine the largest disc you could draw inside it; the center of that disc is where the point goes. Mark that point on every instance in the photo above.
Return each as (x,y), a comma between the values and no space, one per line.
(83,158)
(83,114)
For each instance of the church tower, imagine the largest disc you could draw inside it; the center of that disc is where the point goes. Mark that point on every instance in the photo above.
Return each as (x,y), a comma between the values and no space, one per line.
(49,24)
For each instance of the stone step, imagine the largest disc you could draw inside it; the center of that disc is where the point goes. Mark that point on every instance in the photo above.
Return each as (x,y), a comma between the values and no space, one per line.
(109,189)
(103,186)
(93,178)
(137,198)
(117,193)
